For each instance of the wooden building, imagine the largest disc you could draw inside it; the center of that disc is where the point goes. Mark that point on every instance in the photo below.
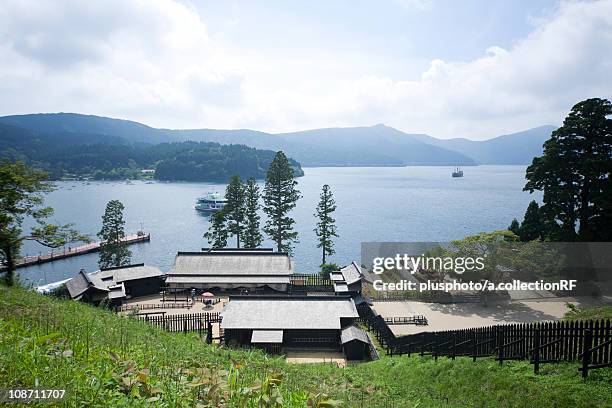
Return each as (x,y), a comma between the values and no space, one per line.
(116,284)
(348,280)
(277,323)
(231,271)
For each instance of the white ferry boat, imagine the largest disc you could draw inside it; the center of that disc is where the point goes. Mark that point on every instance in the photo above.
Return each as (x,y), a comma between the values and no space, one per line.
(211,202)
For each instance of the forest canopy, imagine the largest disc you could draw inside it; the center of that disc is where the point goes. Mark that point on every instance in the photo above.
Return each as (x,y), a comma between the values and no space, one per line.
(101,157)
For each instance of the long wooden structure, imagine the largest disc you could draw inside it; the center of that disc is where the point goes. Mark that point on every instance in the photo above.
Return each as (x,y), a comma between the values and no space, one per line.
(79,250)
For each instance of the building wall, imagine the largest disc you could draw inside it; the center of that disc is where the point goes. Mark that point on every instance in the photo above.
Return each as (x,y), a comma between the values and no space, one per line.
(291,338)
(356,350)
(143,287)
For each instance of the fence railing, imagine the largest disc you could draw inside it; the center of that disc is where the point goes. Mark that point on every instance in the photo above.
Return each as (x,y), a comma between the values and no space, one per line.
(314,280)
(589,342)
(183,322)
(151,306)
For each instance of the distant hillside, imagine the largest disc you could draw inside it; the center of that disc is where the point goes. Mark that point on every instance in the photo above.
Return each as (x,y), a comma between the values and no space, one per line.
(110,157)
(515,148)
(357,146)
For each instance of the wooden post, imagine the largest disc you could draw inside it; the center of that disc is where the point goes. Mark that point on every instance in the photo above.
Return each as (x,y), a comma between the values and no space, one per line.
(586,352)
(185,327)
(454,345)
(474,345)
(435,347)
(500,350)
(536,351)
(209,335)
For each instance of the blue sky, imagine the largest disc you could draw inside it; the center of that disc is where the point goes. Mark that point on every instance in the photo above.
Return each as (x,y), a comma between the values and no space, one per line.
(472,69)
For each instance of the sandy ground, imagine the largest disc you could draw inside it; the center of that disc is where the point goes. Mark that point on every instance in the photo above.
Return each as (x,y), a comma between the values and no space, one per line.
(198,307)
(314,356)
(465,315)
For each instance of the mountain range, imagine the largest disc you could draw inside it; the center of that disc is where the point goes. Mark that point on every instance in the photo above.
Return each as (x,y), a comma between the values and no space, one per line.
(377,145)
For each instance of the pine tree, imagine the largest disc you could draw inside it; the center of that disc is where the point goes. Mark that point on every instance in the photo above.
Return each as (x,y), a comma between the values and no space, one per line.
(326,227)
(234,209)
(280,197)
(515,227)
(113,248)
(575,175)
(252,234)
(217,232)
(531,227)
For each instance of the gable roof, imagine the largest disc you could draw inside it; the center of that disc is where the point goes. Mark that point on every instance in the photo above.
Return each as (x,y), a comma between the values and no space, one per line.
(127,273)
(295,312)
(351,333)
(351,273)
(109,280)
(232,263)
(83,281)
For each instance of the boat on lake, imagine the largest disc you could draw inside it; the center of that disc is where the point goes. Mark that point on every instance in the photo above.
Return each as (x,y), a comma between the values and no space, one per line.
(457,172)
(211,202)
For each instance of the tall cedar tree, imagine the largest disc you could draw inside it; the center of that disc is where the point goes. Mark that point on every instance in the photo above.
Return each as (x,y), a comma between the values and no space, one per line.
(252,234)
(234,209)
(531,227)
(574,174)
(326,227)
(22,192)
(113,248)
(217,233)
(280,197)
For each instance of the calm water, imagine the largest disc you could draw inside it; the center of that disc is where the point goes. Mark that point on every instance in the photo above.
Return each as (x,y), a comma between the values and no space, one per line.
(374,204)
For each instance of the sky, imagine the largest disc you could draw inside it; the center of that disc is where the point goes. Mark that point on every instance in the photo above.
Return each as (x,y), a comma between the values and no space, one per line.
(474,69)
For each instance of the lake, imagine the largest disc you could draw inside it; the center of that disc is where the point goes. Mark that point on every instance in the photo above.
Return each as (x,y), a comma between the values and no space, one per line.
(374,204)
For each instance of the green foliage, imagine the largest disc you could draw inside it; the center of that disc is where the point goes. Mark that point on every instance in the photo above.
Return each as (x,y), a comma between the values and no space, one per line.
(22,192)
(217,233)
(103,157)
(488,245)
(280,197)
(234,210)
(102,359)
(252,234)
(575,175)
(326,225)
(60,292)
(515,227)
(114,250)
(587,313)
(328,268)
(532,227)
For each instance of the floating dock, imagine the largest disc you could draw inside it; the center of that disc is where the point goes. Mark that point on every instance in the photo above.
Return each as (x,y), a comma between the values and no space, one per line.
(80,250)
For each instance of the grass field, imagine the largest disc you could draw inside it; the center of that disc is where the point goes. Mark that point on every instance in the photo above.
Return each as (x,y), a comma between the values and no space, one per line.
(106,360)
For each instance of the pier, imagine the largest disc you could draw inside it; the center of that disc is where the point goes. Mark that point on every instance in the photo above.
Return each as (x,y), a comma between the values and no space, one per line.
(140,236)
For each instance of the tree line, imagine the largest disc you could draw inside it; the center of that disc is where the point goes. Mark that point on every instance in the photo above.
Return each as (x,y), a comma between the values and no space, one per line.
(239,217)
(574,174)
(101,157)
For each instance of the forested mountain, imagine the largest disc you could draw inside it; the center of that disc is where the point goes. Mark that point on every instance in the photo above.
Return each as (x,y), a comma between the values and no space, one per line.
(101,156)
(357,146)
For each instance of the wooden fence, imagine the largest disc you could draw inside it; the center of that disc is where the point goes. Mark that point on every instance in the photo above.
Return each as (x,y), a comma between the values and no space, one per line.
(183,322)
(588,342)
(151,306)
(309,283)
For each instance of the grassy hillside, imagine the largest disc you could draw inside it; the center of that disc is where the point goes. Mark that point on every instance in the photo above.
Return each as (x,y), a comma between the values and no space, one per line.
(106,360)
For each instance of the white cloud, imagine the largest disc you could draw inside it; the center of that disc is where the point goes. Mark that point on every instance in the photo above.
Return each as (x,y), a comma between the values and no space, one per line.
(155,61)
